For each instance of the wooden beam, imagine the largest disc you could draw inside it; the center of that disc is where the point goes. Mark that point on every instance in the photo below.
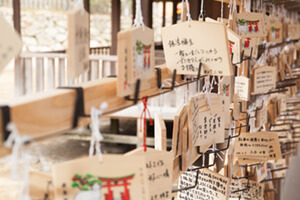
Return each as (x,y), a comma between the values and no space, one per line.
(115,24)
(52,112)
(147,12)
(17,15)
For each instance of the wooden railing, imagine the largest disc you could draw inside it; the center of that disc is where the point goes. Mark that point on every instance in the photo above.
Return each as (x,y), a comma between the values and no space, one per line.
(40,72)
(104,50)
(46,71)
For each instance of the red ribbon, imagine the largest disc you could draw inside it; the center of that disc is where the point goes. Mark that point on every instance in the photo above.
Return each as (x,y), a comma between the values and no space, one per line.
(143,116)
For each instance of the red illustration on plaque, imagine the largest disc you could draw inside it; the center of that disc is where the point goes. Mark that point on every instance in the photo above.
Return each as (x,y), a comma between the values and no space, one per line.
(143,58)
(275,33)
(91,187)
(247,26)
(247,43)
(231,43)
(226,89)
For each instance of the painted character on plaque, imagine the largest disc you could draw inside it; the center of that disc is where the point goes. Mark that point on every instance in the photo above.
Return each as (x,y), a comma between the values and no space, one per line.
(243,26)
(94,194)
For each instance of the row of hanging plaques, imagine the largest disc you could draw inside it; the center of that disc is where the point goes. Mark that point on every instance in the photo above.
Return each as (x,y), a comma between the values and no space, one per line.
(148,173)
(205,120)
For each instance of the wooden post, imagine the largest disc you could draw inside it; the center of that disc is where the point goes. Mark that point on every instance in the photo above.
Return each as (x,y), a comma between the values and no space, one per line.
(115,24)
(195,8)
(17,15)
(86,4)
(147,12)
(212,9)
(174,18)
(164,14)
(133,11)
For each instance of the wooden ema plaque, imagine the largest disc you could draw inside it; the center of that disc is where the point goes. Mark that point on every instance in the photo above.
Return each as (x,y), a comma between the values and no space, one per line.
(264,79)
(87,178)
(135,59)
(293,31)
(275,32)
(242,88)
(158,166)
(249,43)
(189,43)
(257,147)
(160,132)
(78,42)
(206,124)
(234,41)
(249,24)
(10,43)
(256,191)
(211,185)
(227,87)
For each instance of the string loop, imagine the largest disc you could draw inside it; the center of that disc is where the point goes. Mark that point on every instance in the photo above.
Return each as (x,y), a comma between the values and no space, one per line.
(201,11)
(96,134)
(138,20)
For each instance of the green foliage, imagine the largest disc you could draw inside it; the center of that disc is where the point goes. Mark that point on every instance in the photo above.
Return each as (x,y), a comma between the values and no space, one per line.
(85,187)
(139,47)
(242,21)
(91,182)
(78,176)
(75,184)
(89,176)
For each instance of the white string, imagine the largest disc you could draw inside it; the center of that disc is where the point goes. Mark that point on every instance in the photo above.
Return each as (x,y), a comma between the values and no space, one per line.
(201,10)
(206,89)
(263,8)
(248,5)
(222,11)
(213,81)
(234,8)
(21,156)
(243,69)
(252,122)
(25,185)
(16,142)
(138,20)
(96,134)
(273,10)
(79,4)
(219,81)
(230,9)
(188,13)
